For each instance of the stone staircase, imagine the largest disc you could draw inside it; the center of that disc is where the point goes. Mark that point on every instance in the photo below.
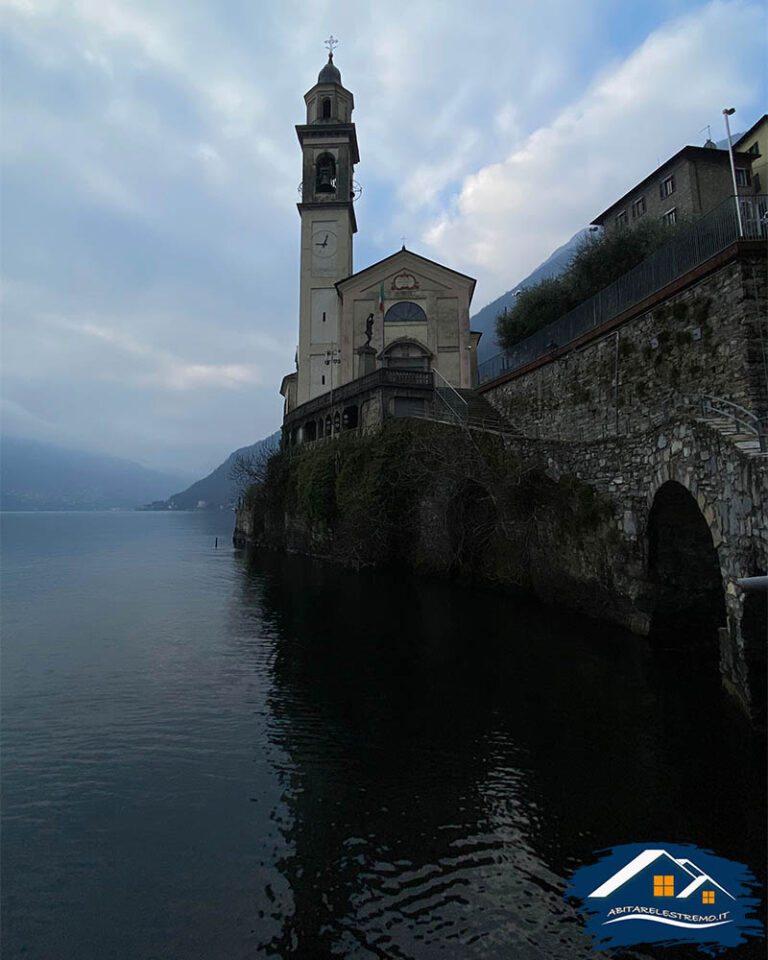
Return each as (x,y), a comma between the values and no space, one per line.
(747,443)
(483,415)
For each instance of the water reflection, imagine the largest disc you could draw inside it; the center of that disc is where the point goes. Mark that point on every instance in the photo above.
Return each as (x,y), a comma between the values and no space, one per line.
(454,754)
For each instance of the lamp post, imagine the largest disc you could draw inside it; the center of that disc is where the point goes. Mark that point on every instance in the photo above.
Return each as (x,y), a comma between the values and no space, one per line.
(729,111)
(332,357)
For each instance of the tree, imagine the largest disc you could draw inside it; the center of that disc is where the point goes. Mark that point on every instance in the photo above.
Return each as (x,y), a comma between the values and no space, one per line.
(250,468)
(596,263)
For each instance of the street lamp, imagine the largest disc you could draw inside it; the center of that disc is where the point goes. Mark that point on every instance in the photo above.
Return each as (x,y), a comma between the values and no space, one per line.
(728,112)
(332,357)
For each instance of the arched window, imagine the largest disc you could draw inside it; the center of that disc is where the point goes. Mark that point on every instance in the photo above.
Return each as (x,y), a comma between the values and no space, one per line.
(325,174)
(405,312)
(326,108)
(349,418)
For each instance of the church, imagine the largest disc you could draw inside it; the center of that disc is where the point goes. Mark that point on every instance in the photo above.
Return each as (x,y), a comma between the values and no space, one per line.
(392,339)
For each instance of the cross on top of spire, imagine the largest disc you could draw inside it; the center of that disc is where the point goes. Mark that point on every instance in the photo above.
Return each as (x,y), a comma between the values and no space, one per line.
(331,43)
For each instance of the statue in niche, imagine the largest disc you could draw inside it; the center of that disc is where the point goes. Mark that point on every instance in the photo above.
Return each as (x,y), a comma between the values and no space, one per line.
(325,176)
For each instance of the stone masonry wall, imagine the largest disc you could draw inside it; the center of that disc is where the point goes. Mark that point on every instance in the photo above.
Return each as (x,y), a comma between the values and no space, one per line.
(703,340)
(623,413)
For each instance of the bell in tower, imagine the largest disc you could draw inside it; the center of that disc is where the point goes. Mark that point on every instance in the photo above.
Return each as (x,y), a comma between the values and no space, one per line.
(325,178)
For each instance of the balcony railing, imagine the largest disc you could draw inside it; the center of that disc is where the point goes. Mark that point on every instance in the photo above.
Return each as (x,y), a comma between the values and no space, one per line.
(704,239)
(379,378)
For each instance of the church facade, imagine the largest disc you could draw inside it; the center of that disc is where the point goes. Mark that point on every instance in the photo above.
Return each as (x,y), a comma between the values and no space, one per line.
(392,339)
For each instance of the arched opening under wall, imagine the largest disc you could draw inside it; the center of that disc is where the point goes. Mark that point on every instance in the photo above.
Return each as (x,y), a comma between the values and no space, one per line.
(472,519)
(310,431)
(684,570)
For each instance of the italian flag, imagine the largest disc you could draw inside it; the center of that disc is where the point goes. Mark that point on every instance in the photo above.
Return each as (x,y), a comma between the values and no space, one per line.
(381,298)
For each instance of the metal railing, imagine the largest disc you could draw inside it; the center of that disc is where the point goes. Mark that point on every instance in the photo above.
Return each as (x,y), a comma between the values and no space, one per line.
(457,406)
(382,377)
(740,417)
(704,239)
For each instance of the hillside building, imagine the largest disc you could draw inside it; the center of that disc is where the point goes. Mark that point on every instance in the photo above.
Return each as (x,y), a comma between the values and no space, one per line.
(754,143)
(687,186)
(376,342)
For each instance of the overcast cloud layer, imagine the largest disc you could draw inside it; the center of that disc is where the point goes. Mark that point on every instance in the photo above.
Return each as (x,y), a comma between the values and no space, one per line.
(150,237)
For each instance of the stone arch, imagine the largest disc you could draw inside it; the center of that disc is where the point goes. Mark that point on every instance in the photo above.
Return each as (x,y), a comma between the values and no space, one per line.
(472,520)
(685,574)
(668,471)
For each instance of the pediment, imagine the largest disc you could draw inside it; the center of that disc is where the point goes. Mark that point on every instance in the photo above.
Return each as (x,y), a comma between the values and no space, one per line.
(402,283)
(403,274)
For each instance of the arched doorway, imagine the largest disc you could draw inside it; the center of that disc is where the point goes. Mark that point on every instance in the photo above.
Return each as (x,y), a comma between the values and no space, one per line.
(684,570)
(406,354)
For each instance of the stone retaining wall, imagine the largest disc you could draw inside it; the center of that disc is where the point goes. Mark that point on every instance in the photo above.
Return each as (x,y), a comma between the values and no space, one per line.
(705,339)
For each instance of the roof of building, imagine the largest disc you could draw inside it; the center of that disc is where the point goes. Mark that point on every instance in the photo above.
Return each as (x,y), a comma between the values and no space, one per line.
(330,72)
(748,134)
(410,253)
(691,153)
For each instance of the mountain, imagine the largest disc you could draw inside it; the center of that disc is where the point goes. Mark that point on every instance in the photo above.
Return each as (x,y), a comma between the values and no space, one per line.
(42,476)
(485,320)
(217,490)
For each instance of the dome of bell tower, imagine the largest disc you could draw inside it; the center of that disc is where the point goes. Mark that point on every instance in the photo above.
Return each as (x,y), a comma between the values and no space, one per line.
(330,72)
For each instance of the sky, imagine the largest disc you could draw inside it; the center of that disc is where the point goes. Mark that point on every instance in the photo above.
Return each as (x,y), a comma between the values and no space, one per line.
(150,238)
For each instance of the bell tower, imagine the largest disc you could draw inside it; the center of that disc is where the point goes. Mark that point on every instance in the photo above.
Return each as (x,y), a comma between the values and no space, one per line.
(329,153)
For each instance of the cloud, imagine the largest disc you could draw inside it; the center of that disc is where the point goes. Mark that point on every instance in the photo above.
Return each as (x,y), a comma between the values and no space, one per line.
(119,356)
(510,215)
(150,168)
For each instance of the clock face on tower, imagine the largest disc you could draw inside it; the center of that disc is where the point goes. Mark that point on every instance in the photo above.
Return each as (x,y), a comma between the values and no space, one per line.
(324,244)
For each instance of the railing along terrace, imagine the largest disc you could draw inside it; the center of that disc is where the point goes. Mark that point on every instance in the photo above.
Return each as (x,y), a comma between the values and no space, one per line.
(705,238)
(451,400)
(739,416)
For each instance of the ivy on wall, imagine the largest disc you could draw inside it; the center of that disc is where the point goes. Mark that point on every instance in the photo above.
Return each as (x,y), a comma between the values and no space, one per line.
(430,496)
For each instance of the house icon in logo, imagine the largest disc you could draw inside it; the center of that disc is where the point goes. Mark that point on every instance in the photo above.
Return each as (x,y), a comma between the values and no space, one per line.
(656,875)
(661,892)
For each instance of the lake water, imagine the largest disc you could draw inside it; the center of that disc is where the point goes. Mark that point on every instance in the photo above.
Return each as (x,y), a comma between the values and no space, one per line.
(209,756)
